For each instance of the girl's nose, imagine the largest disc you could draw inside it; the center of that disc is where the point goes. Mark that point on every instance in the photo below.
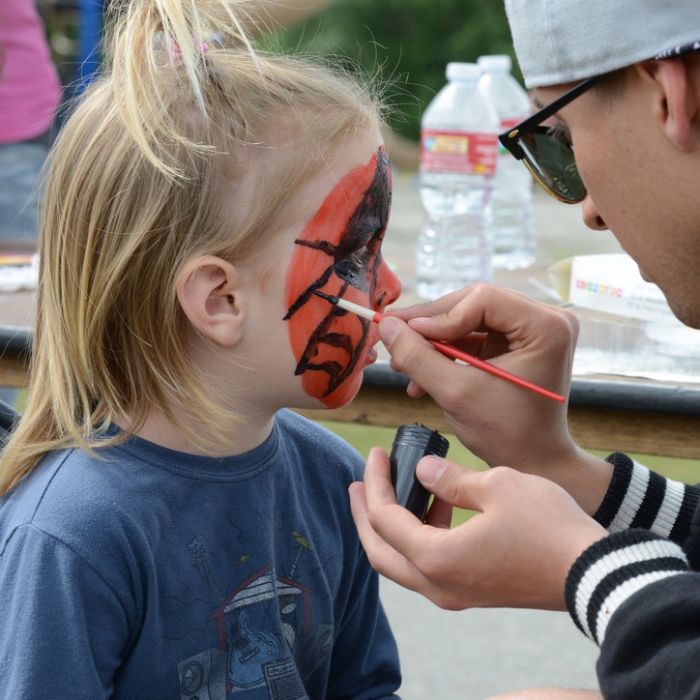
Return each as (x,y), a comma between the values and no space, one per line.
(388,285)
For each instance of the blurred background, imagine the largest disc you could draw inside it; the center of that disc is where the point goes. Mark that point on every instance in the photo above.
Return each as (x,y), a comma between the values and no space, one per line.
(407,43)
(404,44)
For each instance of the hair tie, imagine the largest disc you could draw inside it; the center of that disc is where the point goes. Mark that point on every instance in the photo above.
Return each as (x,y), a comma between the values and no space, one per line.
(200,46)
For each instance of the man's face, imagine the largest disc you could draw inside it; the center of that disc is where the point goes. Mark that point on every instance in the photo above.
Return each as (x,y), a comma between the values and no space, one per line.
(338,252)
(640,184)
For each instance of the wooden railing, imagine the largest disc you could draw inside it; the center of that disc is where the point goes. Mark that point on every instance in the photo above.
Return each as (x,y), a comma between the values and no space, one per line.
(607,413)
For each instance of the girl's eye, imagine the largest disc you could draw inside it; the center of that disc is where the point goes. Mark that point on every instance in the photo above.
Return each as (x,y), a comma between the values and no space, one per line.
(352,267)
(359,257)
(351,264)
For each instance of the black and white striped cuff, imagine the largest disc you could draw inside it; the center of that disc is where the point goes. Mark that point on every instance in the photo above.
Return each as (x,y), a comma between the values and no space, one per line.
(612,570)
(639,498)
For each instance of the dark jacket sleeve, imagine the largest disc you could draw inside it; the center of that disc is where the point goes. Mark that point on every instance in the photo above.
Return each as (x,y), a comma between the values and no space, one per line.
(636,593)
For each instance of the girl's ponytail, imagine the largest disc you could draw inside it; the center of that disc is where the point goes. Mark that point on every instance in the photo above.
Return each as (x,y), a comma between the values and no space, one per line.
(157,49)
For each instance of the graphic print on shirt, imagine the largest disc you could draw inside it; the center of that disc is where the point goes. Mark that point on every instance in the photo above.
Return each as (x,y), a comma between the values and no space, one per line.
(265,633)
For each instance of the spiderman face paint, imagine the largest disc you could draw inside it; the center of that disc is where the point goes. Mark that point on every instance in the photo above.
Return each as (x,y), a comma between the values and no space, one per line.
(339,253)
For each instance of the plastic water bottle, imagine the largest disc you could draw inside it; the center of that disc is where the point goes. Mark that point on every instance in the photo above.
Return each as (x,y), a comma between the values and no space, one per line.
(512,218)
(458,161)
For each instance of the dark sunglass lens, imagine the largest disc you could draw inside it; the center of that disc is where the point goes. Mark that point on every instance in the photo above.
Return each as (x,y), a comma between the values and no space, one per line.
(554,162)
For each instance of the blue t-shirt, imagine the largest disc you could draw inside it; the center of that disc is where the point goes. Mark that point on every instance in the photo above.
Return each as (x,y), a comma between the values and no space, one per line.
(149,573)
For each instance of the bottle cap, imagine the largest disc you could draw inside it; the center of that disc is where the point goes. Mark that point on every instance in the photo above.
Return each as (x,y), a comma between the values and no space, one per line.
(465,72)
(497,63)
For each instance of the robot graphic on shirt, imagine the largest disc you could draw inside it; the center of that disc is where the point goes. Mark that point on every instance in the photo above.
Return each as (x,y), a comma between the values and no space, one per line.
(249,657)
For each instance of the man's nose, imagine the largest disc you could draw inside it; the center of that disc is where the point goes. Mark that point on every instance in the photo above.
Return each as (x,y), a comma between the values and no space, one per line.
(591,216)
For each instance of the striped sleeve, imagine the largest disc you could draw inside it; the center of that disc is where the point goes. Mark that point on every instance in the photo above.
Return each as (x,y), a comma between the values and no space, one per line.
(612,570)
(639,498)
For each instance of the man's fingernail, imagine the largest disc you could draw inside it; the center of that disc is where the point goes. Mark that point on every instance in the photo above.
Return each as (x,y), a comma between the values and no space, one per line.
(429,470)
(388,328)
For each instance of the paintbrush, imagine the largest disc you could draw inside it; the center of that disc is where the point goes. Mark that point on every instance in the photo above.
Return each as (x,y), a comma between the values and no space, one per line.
(446,348)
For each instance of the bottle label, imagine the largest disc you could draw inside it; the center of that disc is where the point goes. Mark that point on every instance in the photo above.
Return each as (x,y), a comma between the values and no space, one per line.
(458,152)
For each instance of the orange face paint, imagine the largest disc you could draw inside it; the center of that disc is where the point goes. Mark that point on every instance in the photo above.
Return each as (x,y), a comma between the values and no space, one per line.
(339,253)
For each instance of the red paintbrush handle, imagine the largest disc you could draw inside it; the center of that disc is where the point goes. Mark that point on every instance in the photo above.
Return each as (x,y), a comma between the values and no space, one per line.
(457,354)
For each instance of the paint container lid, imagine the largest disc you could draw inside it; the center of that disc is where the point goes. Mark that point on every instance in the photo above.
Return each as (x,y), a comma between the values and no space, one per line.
(430,441)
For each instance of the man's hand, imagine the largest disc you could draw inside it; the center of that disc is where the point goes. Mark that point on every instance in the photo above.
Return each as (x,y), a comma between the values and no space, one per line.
(515,552)
(498,421)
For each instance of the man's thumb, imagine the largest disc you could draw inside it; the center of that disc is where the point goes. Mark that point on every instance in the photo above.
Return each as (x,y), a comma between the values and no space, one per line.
(388,328)
(447,480)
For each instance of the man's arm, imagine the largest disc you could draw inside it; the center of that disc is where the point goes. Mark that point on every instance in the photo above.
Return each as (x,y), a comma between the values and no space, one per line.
(635,595)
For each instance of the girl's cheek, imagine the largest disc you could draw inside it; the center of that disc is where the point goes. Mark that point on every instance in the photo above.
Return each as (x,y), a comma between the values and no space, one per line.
(331,348)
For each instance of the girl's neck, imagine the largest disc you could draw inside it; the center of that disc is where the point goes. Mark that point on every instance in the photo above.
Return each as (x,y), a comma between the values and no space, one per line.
(243,436)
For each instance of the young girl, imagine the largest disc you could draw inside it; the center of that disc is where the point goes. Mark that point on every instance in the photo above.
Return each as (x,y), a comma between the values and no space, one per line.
(167,531)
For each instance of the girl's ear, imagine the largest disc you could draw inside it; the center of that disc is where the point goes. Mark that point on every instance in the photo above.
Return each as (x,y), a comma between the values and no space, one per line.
(677,104)
(207,291)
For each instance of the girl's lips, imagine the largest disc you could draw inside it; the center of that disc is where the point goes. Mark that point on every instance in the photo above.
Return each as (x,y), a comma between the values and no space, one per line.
(373,340)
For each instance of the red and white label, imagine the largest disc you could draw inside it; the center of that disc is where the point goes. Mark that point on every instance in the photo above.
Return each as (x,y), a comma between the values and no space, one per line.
(458,152)
(507,125)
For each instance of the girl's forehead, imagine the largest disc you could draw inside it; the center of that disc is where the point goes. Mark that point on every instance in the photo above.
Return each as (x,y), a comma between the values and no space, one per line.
(342,180)
(362,190)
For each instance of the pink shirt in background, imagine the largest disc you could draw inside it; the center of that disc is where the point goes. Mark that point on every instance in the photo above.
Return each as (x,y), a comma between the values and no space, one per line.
(29,83)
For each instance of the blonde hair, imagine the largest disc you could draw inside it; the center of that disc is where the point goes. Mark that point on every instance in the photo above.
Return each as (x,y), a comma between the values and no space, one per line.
(193,143)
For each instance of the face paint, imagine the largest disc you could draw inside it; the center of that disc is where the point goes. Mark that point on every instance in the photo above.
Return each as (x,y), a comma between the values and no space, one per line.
(339,253)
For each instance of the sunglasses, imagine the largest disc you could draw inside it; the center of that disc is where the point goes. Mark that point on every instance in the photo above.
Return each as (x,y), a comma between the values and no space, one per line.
(546,151)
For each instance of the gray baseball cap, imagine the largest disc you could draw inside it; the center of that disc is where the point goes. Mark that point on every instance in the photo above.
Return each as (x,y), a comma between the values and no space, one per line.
(561,41)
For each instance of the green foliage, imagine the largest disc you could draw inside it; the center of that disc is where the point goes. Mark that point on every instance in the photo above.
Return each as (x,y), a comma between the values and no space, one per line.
(405,42)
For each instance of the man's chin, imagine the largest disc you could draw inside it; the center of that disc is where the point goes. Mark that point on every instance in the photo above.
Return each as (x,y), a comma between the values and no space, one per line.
(644,275)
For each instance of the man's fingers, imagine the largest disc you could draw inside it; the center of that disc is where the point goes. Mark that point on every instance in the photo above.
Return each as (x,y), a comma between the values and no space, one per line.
(413,355)
(430,308)
(378,477)
(380,496)
(393,525)
(439,514)
(382,556)
(483,307)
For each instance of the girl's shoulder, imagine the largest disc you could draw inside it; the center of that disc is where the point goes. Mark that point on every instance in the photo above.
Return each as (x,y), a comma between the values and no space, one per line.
(72,496)
(316,441)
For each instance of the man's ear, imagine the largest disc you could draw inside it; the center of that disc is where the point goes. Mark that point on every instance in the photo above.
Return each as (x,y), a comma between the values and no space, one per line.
(678,101)
(207,291)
